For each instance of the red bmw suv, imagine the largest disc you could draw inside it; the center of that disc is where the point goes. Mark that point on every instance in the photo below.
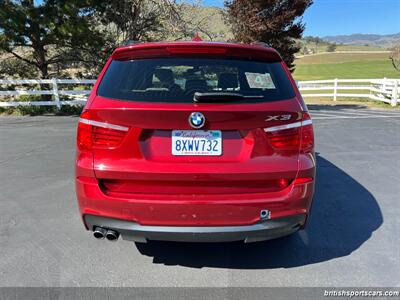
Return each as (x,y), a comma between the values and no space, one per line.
(195,141)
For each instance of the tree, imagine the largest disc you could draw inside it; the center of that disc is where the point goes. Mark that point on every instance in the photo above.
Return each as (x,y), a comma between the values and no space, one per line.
(57,35)
(314,40)
(136,20)
(154,20)
(317,42)
(16,67)
(276,22)
(395,57)
(331,47)
(194,17)
(50,33)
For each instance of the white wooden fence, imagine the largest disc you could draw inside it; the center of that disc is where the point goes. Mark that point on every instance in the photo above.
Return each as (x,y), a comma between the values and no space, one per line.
(73,96)
(386,90)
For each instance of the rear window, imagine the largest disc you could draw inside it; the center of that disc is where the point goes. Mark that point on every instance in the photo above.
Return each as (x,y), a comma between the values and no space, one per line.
(176,80)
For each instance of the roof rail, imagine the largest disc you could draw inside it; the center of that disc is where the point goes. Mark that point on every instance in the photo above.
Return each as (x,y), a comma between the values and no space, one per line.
(263,44)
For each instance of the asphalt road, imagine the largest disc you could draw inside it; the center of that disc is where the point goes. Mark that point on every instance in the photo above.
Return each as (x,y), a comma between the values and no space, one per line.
(352,239)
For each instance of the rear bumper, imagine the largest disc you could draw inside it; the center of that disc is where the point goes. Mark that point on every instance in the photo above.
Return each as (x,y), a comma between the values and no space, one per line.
(240,211)
(261,231)
(193,210)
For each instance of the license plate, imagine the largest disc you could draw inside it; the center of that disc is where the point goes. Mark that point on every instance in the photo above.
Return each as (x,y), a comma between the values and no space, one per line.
(197,142)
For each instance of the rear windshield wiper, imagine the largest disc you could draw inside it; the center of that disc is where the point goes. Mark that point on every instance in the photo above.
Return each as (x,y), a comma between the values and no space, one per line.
(222,97)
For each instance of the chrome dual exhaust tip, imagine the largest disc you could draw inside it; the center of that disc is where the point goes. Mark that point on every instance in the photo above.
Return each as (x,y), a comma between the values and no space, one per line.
(101,233)
(112,235)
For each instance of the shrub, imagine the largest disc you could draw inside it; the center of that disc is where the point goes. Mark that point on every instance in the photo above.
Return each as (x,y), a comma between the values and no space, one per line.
(39,110)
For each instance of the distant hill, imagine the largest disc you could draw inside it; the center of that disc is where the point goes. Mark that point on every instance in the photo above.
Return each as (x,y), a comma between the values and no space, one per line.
(365,39)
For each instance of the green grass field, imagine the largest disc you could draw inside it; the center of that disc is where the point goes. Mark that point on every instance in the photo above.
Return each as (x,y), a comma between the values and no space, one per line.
(345,66)
(358,48)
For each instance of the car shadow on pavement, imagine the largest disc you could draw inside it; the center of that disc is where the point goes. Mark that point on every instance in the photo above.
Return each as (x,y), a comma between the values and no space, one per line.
(344,215)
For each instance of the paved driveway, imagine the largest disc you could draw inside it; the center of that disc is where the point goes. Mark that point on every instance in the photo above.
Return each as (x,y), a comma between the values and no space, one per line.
(352,240)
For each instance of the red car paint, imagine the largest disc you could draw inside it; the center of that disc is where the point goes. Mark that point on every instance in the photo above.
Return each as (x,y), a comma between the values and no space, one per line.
(125,169)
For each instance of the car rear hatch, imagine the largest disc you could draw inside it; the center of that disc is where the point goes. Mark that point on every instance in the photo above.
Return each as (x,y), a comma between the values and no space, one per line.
(148,103)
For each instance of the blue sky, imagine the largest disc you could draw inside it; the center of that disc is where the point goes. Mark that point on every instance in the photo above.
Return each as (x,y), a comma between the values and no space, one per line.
(336,17)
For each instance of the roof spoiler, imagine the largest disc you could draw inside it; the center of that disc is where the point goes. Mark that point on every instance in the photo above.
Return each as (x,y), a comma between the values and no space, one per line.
(147,50)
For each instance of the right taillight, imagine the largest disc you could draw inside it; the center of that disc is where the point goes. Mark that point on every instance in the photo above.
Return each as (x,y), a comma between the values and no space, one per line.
(97,134)
(292,136)
(307,134)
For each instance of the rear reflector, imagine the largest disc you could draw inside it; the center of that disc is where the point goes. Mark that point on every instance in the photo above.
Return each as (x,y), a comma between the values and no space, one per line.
(302,180)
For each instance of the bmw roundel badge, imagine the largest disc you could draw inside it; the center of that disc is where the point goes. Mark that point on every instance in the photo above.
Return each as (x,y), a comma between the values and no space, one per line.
(197,120)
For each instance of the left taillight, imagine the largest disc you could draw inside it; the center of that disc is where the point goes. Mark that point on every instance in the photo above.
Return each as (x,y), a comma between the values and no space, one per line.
(293,136)
(307,134)
(95,134)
